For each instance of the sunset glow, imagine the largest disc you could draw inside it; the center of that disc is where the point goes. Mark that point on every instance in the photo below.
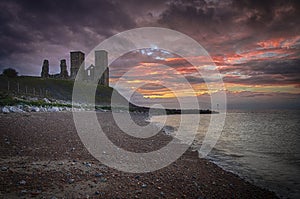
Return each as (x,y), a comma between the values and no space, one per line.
(254,45)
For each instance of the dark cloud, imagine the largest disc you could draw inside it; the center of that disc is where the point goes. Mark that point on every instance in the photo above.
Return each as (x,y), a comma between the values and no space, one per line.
(31,27)
(263,80)
(194,80)
(264,72)
(152,86)
(268,11)
(223,26)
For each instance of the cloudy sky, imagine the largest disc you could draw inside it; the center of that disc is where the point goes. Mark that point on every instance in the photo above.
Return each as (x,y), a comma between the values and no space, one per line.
(254,44)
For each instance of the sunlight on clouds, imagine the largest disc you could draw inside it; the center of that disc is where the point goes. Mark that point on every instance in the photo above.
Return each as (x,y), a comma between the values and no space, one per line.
(263,88)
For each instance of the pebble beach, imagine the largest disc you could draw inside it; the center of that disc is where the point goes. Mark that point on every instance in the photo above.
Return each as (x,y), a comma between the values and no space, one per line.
(42,156)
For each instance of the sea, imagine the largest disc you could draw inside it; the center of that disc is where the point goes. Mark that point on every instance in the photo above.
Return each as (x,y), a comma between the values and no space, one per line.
(262,147)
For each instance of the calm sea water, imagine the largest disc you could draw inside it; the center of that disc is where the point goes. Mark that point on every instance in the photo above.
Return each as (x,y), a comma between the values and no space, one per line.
(262,147)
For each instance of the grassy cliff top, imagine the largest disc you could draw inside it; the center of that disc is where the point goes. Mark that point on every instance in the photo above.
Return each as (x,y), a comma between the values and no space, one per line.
(60,89)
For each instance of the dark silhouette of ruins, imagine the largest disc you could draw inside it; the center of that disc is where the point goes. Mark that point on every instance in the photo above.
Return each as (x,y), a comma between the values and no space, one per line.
(45,69)
(63,69)
(77,60)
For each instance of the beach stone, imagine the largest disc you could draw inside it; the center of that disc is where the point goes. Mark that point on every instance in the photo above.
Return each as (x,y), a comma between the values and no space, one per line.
(14,109)
(144,186)
(103,180)
(46,100)
(88,164)
(53,109)
(4,168)
(34,109)
(71,181)
(98,175)
(7,141)
(22,182)
(26,108)
(42,109)
(20,106)
(137,177)
(4,109)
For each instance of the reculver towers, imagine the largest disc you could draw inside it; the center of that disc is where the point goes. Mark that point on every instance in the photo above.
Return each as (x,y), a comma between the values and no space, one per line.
(77,60)
(45,69)
(101,63)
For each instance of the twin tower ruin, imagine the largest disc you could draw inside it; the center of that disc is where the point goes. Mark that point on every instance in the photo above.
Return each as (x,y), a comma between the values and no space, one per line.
(88,74)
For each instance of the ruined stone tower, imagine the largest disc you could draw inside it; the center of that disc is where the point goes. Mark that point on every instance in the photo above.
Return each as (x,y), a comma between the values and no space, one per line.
(45,69)
(63,69)
(101,65)
(90,73)
(77,58)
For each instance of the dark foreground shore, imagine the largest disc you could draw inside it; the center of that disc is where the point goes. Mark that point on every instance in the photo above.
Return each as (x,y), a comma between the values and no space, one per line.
(42,156)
